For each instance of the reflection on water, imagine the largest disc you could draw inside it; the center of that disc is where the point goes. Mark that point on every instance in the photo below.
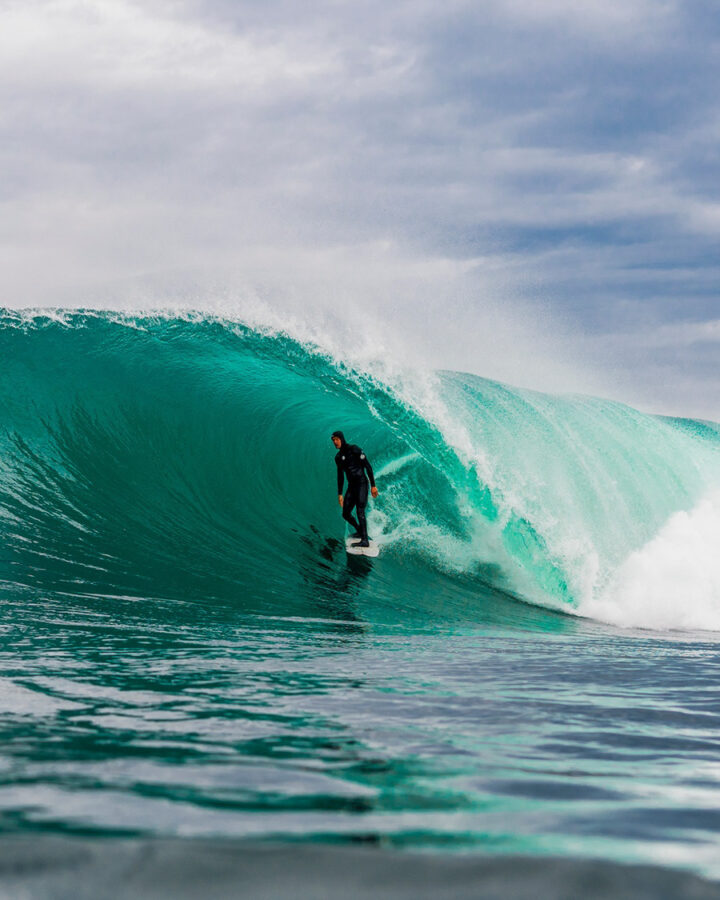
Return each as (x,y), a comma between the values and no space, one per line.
(132,716)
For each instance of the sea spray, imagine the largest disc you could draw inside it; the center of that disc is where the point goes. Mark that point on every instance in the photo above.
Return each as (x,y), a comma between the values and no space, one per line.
(674,580)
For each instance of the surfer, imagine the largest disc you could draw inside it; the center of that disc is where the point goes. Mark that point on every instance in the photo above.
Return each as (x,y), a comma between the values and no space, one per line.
(352,462)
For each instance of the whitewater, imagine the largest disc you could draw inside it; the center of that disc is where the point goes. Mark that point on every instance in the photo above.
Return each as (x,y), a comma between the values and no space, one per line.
(529,666)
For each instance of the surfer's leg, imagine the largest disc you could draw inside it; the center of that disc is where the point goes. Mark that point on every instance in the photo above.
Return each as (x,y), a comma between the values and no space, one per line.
(362,498)
(348,507)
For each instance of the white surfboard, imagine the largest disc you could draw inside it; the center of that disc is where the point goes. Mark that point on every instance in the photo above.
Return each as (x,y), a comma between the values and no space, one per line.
(372,550)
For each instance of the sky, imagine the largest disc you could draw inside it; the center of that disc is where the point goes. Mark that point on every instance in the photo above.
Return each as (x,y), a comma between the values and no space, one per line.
(527,190)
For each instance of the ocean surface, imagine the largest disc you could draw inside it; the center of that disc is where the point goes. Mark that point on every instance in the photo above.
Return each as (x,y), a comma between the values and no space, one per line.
(529,668)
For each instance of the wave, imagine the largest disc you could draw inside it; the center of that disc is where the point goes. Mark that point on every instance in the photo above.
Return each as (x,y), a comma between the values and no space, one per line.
(189,458)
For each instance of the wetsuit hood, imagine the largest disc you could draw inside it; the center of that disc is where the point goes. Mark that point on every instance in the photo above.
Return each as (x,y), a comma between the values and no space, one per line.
(339,434)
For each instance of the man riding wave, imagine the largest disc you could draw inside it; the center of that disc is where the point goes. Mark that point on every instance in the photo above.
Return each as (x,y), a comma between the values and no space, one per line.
(352,464)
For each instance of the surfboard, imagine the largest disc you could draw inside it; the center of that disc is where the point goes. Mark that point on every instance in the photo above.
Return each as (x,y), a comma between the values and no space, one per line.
(372,550)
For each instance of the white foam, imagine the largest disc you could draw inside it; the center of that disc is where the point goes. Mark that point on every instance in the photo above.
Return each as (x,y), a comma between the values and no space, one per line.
(671,582)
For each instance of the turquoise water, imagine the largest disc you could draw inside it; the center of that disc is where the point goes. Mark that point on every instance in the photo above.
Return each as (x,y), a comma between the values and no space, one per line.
(530,666)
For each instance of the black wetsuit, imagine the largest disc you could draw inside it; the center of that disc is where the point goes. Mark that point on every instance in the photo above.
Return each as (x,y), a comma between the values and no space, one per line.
(352,462)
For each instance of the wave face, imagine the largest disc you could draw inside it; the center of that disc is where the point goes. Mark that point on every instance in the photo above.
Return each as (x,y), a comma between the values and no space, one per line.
(189,458)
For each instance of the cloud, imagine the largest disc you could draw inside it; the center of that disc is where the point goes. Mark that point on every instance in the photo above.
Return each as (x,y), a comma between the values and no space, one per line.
(549,156)
(110,44)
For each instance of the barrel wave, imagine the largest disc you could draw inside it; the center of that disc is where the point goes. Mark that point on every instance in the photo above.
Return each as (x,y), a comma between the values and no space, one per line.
(189,458)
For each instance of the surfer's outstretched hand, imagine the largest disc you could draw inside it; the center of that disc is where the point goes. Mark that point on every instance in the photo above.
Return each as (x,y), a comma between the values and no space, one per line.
(340,499)
(374,492)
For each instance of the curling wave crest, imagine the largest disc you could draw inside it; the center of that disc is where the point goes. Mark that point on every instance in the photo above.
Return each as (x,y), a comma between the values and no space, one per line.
(189,457)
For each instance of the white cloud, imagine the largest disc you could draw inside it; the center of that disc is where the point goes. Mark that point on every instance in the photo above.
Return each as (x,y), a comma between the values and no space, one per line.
(519,149)
(108,44)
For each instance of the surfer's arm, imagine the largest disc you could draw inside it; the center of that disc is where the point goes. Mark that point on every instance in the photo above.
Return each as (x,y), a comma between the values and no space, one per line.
(340,478)
(368,469)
